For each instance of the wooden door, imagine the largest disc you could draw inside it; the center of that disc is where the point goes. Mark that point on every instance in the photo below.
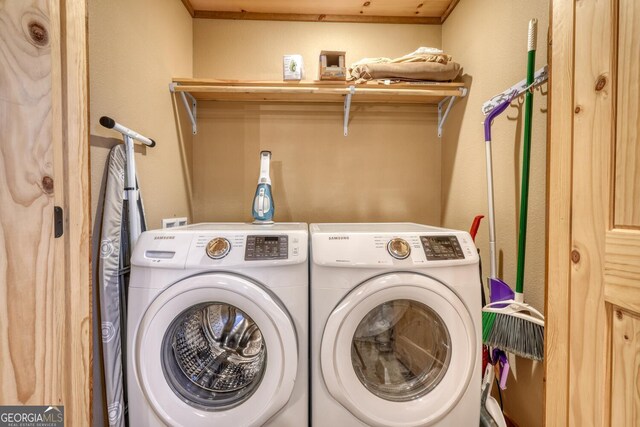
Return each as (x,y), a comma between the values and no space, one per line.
(45,319)
(593,311)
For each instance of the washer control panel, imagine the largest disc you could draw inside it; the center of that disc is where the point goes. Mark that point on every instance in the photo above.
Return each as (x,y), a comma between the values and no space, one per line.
(265,247)
(223,246)
(438,248)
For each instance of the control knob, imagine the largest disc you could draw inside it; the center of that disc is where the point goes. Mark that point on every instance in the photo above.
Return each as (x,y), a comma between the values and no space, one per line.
(218,248)
(398,248)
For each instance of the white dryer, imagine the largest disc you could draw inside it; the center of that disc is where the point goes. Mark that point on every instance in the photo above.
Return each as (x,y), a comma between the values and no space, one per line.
(217,326)
(395,326)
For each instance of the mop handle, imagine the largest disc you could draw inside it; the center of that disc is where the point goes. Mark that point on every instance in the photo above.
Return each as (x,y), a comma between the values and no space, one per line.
(526,157)
(493,270)
(493,265)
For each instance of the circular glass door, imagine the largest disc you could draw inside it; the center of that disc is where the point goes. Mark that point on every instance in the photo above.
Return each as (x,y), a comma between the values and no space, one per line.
(399,350)
(215,349)
(214,356)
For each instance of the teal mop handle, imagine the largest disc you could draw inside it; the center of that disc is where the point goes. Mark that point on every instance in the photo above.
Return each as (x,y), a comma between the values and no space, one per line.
(526,157)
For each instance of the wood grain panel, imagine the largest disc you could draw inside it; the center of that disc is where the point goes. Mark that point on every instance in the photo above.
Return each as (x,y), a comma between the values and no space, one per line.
(603,353)
(195,84)
(27,337)
(54,370)
(449,9)
(433,8)
(299,17)
(77,326)
(559,164)
(189,7)
(44,283)
(219,90)
(622,269)
(312,97)
(627,194)
(593,117)
(625,370)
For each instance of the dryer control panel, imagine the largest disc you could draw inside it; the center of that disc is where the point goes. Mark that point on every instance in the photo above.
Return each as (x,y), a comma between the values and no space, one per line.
(441,247)
(374,249)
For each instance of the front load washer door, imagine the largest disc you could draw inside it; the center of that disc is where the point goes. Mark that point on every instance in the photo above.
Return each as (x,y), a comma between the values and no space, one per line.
(399,350)
(216,349)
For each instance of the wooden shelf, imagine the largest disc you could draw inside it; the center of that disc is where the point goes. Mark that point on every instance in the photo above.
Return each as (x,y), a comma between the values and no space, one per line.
(433,12)
(317,91)
(435,93)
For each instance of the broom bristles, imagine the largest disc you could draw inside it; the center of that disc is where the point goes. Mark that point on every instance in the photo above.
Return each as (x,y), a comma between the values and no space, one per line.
(517,335)
(488,318)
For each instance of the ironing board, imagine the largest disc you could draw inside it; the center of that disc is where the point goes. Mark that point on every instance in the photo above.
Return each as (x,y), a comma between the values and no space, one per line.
(114,277)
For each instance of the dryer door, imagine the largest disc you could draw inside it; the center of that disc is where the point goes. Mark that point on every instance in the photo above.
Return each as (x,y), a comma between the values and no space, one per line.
(216,348)
(399,350)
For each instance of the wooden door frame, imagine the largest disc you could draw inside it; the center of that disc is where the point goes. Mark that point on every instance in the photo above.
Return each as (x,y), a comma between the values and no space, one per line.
(72,170)
(559,172)
(580,169)
(46,323)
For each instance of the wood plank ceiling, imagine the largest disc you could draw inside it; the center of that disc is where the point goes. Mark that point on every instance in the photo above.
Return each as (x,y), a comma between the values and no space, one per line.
(365,11)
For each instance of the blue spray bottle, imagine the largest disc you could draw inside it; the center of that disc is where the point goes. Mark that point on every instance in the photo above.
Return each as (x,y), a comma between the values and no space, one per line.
(263,200)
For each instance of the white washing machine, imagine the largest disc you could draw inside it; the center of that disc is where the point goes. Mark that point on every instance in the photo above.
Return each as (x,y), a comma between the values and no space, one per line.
(395,326)
(217,326)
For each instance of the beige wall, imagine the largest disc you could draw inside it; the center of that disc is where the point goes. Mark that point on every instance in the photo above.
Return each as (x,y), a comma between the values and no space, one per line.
(490,39)
(253,50)
(135,48)
(392,167)
(387,169)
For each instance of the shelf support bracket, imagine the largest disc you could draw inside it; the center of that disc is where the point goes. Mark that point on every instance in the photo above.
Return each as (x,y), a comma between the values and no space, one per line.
(191,110)
(442,117)
(347,108)
(190,106)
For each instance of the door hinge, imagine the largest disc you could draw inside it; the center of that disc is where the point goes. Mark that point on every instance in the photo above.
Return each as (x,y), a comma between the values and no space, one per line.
(58,218)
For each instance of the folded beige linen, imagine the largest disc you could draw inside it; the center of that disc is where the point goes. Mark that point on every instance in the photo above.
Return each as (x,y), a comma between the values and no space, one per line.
(430,71)
(423,57)
(428,57)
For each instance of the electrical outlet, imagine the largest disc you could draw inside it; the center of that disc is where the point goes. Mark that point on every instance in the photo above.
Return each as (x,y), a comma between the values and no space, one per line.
(173,222)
